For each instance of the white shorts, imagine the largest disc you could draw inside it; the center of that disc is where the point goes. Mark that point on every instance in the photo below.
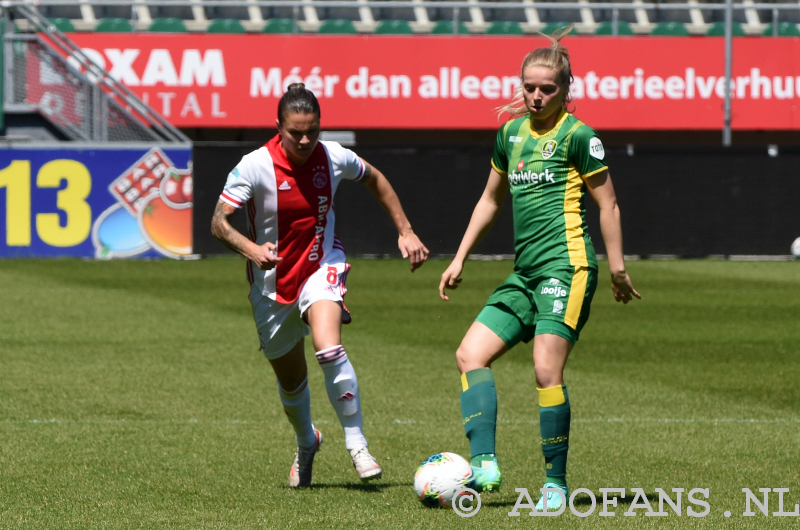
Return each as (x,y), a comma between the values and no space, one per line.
(281,326)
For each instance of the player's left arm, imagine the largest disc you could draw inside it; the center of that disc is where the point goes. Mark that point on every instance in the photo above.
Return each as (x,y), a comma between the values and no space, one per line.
(602,191)
(409,244)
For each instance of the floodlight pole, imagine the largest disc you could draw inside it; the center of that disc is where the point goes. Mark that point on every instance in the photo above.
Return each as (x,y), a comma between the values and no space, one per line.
(726,129)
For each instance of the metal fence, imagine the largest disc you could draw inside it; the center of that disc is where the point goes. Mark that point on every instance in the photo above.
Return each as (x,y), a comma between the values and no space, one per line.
(46,73)
(476,15)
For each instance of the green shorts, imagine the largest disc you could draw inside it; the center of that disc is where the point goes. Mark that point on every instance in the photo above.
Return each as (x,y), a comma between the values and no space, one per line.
(551,301)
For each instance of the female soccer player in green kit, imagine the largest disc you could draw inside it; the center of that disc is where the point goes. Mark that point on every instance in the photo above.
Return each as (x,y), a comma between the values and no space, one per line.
(548,159)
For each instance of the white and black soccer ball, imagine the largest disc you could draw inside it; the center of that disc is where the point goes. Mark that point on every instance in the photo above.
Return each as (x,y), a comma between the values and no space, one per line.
(440,477)
(796,248)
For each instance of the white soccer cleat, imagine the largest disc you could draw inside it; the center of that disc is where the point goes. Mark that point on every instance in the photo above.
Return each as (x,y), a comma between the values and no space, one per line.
(365,464)
(300,475)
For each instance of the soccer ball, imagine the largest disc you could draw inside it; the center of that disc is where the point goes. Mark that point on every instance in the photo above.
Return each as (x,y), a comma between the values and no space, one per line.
(796,248)
(440,477)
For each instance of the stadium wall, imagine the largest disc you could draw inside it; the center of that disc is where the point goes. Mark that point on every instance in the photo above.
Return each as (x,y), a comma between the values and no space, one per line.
(96,200)
(682,201)
(396,82)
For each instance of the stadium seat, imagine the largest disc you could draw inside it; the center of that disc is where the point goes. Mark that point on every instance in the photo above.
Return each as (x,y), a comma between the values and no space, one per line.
(785,29)
(717,29)
(225,25)
(506,27)
(552,27)
(669,29)
(607,28)
(167,25)
(337,26)
(445,27)
(393,27)
(62,24)
(113,25)
(279,25)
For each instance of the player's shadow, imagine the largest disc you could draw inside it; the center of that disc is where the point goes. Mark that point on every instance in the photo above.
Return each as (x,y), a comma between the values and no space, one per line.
(370,488)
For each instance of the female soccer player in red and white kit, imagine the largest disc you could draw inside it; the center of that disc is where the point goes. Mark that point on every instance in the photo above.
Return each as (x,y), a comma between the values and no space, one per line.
(297,267)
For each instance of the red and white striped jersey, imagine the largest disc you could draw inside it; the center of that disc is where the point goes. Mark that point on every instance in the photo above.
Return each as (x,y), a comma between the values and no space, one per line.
(292,207)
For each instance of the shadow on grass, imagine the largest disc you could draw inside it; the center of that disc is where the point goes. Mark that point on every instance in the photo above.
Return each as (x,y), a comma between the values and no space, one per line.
(374,488)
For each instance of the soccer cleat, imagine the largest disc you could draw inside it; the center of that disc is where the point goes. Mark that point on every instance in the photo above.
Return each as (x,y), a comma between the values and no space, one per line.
(300,475)
(365,464)
(553,499)
(486,476)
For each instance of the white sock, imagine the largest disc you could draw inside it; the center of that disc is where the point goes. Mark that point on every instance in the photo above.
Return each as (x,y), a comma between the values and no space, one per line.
(342,387)
(297,405)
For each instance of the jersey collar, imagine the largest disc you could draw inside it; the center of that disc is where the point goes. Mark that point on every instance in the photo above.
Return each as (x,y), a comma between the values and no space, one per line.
(539,133)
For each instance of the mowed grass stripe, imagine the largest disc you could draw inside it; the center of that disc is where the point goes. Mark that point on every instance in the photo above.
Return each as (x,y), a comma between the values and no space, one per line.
(166,415)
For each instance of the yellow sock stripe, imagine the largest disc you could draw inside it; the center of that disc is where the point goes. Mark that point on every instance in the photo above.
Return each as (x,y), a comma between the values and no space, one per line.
(551,397)
(576,295)
(464,382)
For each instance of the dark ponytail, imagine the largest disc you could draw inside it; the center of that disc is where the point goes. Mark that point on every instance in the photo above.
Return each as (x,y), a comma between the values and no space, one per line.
(298,100)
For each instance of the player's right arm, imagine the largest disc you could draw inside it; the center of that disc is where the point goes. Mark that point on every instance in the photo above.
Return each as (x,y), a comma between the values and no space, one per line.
(262,255)
(483,217)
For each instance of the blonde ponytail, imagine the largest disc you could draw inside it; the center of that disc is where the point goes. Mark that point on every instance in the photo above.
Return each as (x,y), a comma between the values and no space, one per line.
(556,57)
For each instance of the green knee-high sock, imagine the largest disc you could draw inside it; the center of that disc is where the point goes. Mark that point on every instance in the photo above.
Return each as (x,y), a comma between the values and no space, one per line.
(554,417)
(479,409)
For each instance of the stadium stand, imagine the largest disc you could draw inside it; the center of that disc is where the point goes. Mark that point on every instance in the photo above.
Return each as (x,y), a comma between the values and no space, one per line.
(167,25)
(393,27)
(337,26)
(280,25)
(113,25)
(607,28)
(504,27)
(717,29)
(669,29)
(446,27)
(225,25)
(669,17)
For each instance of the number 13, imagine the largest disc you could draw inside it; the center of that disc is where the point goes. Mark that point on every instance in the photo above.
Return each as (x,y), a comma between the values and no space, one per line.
(16,178)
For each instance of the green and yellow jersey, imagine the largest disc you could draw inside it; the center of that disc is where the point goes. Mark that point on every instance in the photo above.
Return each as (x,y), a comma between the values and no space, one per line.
(545,171)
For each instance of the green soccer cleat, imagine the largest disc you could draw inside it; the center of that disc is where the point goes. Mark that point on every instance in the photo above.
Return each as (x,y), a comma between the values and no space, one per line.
(554,500)
(486,474)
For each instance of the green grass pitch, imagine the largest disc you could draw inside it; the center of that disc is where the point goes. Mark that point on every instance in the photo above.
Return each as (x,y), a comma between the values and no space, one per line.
(133,395)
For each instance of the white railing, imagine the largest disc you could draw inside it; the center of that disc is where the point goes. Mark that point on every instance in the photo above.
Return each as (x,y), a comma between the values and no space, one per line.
(74,94)
(304,12)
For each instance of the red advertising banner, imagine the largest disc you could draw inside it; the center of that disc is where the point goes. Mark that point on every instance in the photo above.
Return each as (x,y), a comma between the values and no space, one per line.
(444,82)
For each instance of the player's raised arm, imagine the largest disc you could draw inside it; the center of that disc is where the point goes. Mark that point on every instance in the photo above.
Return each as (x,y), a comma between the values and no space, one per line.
(262,255)
(483,217)
(409,244)
(602,191)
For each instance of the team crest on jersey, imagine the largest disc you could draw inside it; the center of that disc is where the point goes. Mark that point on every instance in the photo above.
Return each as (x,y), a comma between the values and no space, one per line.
(320,177)
(549,149)
(521,165)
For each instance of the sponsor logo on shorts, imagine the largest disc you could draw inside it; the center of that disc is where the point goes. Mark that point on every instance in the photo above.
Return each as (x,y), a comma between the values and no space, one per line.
(558,307)
(549,149)
(555,291)
(553,281)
